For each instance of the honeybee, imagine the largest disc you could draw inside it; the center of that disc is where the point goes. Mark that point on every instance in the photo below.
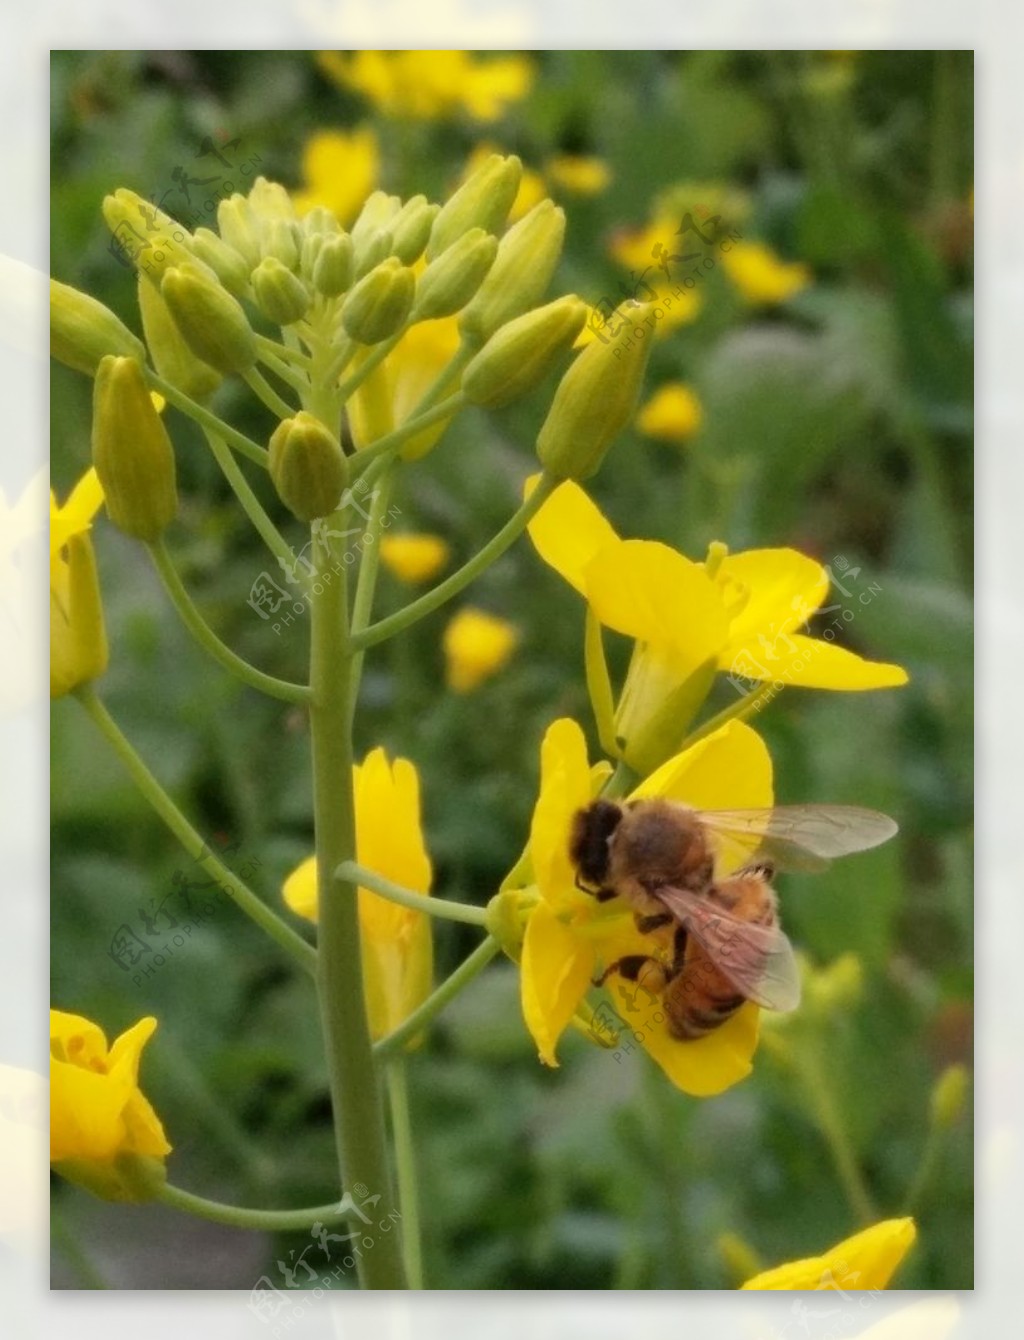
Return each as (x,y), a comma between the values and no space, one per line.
(719,942)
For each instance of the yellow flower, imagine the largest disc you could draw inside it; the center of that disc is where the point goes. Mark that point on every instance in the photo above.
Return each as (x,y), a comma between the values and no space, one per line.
(577,174)
(387,398)
(78,639)
(103,1131)
(760,276)
(672,414)
(396,942)
(736,613)
(868,1260)
(432,85)
(340,168)
(570,936)
(414,558)
(476,646)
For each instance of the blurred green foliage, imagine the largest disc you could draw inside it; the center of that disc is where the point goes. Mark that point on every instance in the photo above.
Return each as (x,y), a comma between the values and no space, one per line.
(839,424)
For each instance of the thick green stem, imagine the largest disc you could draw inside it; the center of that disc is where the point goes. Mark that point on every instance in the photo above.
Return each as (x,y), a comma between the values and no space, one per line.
(238,441)
(405,1166)
(434,907)
(458,581)
(239,1216)
(435,1003)
(366,586)
(210,642)
(227,880)
(355,1088)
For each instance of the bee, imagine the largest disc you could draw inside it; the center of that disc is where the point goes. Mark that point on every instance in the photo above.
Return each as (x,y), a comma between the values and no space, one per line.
(719,941)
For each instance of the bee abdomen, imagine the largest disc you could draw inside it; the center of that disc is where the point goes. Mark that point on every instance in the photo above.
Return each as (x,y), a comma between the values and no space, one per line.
(696,1021)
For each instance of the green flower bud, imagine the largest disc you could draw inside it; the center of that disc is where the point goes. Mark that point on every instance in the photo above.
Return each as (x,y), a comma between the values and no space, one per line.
(320,221)
(144,235)
(131,451)
(596,398)
(82,330)
(212,322)
(522,352)
(380,303)
(519,278)
(333,269)
(378,211)
(238,228)
(174,360)
(448,283)
(370,253)
(222,259)
(268,200)
(482,201)
(281,296)
(949,1096)
(281,238)
(307,466)
(410,228)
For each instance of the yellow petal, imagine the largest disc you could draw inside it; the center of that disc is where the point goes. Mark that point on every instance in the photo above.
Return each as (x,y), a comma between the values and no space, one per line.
(77,513)
(868,1260)
(761,276)
(556,970)
(769,591)
(578,174)
(565,787)
(476,646)
(729,769)
(341,169)
(703,1068)
(673,413)
(414,558)
(300,889)
(809,663)
(569,531)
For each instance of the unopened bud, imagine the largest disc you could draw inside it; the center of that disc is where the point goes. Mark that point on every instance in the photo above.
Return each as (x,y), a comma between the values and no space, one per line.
(82,330)
(174,360)
(380,303)
(371,251)
(238,228)
(320,221)
(281,296)
(225,262)
(949,1096)
(378,211)
(519,278)
(210,320)
(482,201)
(333,269)
(307,466)
(448,283)
(268,200)
(595,400)
(410,228)
(522,352)
(281,239)
(131,451)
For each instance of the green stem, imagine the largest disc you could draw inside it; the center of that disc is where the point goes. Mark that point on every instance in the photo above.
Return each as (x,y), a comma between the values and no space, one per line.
(405,1167)
(925,1169)
(210,642)
(745,706)
(447,375)
(252,506)
(459,580)
(342,358)
(622,781)
(256,382)
(371,362)
(354,873)
(239,1216)
(297,380)
(211,422)
(830,1123)
(355,1090)
(244,898)
(369,566)
(435,1003)
(447,409)
(287,352)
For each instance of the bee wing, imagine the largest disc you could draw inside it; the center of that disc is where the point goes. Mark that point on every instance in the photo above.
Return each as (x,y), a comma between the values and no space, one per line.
(797,837)
(758,960)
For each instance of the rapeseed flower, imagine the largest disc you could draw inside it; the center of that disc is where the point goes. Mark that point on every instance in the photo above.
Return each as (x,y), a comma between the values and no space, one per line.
(432,85)
(476,646)
(673,413)
(761,277)
(414,558)
(78,639)
(868,1260)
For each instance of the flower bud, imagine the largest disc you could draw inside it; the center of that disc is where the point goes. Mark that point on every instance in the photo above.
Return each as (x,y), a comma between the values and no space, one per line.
(131,451)
(521,273)
(949,1096)
(410,228)
(377,214)
(379,304)
(222,259)
(595,400)
(210,320)
(174,360)
(320,222)
(78,637)
(268,200)
(307,466)
(522,352)
(482,201)
(448,283)
(333,269)
(144,235)
(370,253)
(82,330)
(281,296)
(238,228)
(280,239)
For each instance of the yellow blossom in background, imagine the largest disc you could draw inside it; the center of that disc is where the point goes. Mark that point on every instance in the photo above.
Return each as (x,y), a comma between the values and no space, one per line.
(673,413)
(414,558)
(432,85)
(760,276)
(570,936)
(103,1131)
(868,1260)
(78,639)
(340,169)
(578,174)
(671,310)
(396,941)
(476,646)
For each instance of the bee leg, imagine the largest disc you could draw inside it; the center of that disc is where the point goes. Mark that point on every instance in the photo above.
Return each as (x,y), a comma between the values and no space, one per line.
(629,967)
(651,922)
